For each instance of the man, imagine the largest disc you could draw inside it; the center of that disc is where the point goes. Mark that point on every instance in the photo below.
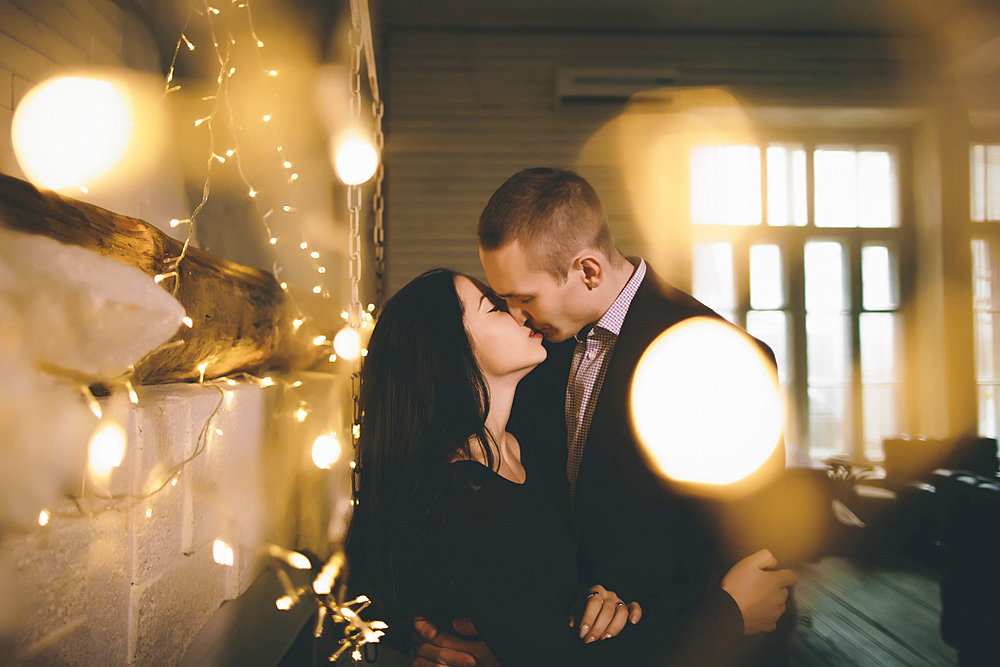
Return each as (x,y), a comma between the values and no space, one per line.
(547,250)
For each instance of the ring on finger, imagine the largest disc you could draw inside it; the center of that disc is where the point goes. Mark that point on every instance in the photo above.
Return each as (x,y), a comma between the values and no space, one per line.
(593,594)
(619,604)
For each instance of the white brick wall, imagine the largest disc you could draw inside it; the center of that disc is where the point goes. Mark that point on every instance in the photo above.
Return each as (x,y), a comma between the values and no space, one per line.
(119,588)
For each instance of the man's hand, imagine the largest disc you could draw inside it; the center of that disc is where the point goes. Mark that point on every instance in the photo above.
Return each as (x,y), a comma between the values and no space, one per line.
(441,649)
(759,592)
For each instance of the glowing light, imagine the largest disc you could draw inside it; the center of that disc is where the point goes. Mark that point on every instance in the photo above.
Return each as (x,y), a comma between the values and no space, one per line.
(364,352)
(273,72)
(288,164)
(149,512)
(220,158)
(222,553)
(188,322)
(232,71)
(317,289)
(325,451)
(297,383)
(70,130)
(158,278)
(284,603)
(321,269)
(173,482)
(303,245)
(314,254)
(284,285)
(353,465)
(319,340)
(259,43)
(218,431)
(175,222)
(371,307)
(231,382)
(355,161)
(356,431)
(301,414)
(705,403)
(252,193)
(201,370)
(266,382)
(296,323)
(229,153)
(288,209)
(333,358)
(356,654)
(188,42)
(267,117)
(202,120)
(344,315)
(293,177)
(43,518)
(273,240)
(214,10)
(347,343)
(107,449)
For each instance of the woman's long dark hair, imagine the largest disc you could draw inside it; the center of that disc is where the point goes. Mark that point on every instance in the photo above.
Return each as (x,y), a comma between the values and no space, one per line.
(423,398)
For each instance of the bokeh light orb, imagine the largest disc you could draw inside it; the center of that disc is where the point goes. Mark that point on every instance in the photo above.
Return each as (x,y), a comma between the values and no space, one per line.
(325,451)
(705,403)
(355,161)
(107,449)
(70,130)
(347,343)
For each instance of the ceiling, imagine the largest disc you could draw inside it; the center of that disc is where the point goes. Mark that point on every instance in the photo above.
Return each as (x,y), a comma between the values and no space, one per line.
(758,16)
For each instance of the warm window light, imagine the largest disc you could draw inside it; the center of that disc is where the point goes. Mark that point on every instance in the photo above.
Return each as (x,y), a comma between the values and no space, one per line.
(107,449)
(705,403)
(347,343)
(355,161)
(325,451)
(222,553)
(70,130)
(43,518)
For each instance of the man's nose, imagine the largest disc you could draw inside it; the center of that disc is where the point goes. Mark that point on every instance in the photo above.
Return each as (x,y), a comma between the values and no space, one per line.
(516,312)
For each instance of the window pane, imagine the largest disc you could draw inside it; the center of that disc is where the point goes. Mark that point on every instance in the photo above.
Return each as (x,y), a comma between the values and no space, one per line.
(771,326)
(877,189)
(712,282)
(725,185)
(824,273)
(982,276)
(878,347)
(993,182)
(878,278)
(988,409)
(827,421)
(766,288)
(827,337)
(836,188)
(977,182)
(986,357)
(880,417)
(786,185)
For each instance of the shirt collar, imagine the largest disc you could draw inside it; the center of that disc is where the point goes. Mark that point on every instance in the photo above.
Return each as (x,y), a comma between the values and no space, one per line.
(614,316)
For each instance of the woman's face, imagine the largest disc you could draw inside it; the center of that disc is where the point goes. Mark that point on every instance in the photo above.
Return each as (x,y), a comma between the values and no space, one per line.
(501,345)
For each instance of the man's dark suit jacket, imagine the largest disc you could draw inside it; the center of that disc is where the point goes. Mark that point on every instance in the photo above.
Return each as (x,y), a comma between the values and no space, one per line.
(634,534)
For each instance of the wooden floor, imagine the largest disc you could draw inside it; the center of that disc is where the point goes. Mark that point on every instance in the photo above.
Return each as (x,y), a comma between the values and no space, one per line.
(856,614)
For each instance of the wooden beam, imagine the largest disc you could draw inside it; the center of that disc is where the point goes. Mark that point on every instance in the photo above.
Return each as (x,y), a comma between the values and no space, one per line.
(242,319)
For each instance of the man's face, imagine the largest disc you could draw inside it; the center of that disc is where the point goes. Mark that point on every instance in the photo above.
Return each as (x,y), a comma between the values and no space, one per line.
(534,297)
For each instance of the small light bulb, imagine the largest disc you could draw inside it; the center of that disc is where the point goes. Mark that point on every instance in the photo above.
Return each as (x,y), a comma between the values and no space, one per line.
(301,414)
(296,323)
(297,383)
(267,117)
(293,177)
(107,449)
(175,222)
(284,285)
(214,10)
(319,340)
(188,322)
(371,307)
(253,193)
(317,289)
(287,209)
(173,482)
(266,382)
(43,518)
(149,512)
(288,165)
(229,153)
(333,358)
(158,278)
(273,240)
(259,43)
(188,42)
(314,254)
(303,245)
(222,553)
(355,160)
(364,352)
(231,382)
(321,269)
(325,451)
(273,72)
(218,431)
(284,603)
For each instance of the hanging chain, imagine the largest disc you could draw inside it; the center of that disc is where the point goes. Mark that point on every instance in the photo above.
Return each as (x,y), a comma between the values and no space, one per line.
(379,205)
(354,207)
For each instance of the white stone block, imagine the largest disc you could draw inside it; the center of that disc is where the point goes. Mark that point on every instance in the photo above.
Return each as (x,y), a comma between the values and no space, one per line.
(6,100)
(52,14)
(37,36)
(24,61)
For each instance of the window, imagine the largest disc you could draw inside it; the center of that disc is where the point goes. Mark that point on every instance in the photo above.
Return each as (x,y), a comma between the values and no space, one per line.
(800,243)
(985,212)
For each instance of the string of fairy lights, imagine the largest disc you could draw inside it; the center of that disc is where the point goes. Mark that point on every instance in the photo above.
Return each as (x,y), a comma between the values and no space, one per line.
(108,445)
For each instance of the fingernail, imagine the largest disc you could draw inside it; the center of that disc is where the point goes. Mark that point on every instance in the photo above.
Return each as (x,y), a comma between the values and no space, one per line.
(583,629)
(589,639)
(606,636)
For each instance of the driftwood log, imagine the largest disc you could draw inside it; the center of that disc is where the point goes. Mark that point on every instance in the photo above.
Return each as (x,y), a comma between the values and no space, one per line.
(243,320)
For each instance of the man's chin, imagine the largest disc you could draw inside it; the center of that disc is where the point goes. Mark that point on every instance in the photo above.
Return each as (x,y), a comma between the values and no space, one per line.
(555,336)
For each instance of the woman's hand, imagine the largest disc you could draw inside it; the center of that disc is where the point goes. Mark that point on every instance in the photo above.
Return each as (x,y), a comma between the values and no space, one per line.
(604,615)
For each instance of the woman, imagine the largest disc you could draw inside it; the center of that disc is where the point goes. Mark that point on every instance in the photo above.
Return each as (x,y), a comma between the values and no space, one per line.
(448,522)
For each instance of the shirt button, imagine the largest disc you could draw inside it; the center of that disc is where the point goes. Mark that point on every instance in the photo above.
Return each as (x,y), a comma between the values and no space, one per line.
(591,354)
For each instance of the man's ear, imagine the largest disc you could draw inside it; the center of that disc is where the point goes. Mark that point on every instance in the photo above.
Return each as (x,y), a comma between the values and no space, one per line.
(590,268)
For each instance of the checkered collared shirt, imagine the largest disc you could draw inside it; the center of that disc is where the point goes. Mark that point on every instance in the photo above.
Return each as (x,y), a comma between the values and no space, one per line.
(586,375)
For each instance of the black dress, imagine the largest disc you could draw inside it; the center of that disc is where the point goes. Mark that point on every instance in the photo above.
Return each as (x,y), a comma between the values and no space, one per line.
(505,558)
